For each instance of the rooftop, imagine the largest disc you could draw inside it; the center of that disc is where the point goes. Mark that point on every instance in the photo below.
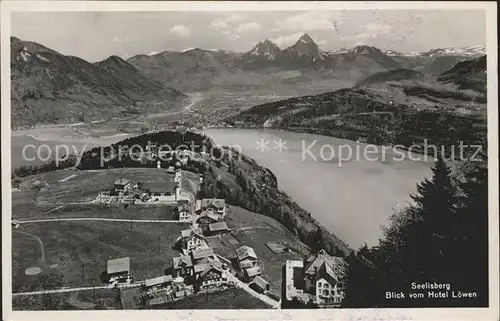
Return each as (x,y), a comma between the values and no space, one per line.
(201,253)
(244,252)
(326,265)
(183,207)
(119,265)
(183,260)
(159,280)
(253,271)
(217,202)
(204,266)
(189,232)
(220,226)
(122,181)
(261,283)
(210,214)
(212,266)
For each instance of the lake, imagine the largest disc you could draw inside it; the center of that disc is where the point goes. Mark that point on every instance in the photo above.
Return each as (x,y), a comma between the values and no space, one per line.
(351,197)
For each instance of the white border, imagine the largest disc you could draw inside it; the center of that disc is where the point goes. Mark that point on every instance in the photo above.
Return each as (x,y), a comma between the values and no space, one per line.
(491,313)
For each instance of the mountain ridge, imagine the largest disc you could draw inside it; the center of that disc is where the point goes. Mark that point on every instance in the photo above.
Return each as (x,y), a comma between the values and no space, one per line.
(49,87)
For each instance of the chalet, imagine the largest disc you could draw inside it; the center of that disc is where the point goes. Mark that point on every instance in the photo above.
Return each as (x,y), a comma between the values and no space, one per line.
(216,205)
(246,257)
(203,255)
(207,218)
(119,270)
(202,265)
(211,276)
(191,239)
(260,285)
(158,283)
(325,277)
(218,228)
(320,278)
(184,212)
(251,273)
(182,267)
(122,184)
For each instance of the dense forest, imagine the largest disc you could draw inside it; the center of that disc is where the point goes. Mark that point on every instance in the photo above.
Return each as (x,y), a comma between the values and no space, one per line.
(442,237)
(359,113)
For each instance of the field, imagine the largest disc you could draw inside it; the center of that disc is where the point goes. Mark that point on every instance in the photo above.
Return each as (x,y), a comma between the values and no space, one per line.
(227,299)
(99,299)
(85,185)
(81,250)
(134,212)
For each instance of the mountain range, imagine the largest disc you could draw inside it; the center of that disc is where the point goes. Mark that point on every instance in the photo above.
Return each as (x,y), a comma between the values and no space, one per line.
(199,69)
(49,87)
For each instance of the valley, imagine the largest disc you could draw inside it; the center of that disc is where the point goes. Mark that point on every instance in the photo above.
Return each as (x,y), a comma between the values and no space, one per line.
(256,110)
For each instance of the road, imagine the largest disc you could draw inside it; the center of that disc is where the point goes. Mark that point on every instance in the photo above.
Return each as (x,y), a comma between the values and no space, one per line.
(274,304)
(40,242)
(61,290)
(87,288)
(69,219)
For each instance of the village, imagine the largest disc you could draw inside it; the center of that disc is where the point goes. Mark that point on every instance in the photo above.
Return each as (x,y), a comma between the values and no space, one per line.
(210,257)
(319,279)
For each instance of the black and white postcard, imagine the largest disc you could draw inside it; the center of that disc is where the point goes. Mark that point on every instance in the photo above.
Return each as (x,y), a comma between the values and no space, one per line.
(249,160)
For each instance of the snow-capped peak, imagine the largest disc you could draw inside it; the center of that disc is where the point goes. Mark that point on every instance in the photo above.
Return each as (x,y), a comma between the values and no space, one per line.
(472,51)
(305,38)
(266,48)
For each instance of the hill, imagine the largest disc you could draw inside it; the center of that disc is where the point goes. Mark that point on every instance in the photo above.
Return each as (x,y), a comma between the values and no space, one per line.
(227,174)
(375,116)
(394,74)
(49,87)
(441,64)
(469,74)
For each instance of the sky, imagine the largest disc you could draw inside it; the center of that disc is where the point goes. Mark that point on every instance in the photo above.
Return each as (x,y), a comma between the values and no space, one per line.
(95,36)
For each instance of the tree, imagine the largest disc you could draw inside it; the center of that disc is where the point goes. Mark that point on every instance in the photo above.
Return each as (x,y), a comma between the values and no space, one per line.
(51,301)
(472,230)
(435,210)
(362,287)
(420,243)
(318,240)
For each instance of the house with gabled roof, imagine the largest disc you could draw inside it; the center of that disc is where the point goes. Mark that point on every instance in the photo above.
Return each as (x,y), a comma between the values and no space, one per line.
(207,217)
(325,276)
(246,257)
(185,213)
(260,285)
(218,228)
(211,275)
(182,266)
(202,253)
(157,283)
(122,184)
(119,269)
(251,273)
(214,205)
(190,240)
